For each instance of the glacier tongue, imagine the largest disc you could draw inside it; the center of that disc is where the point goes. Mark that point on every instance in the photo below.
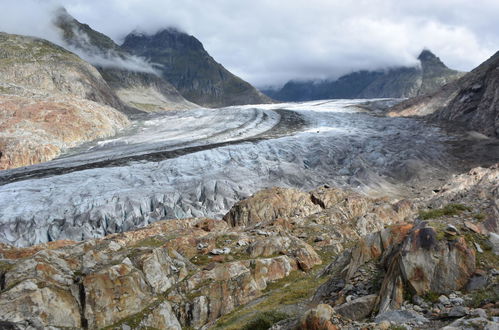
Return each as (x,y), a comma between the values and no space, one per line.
(335,144)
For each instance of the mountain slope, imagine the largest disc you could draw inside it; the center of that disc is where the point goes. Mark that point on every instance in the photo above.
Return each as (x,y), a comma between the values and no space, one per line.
(472,101)
(34,63)
(184,62)
(392,83)
(133,80)
(46,101)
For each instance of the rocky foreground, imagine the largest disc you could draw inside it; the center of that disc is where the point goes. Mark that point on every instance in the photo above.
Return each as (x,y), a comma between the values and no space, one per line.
(286,259)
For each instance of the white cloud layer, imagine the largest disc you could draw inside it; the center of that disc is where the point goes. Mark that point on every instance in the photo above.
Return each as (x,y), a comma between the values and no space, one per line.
(270,42)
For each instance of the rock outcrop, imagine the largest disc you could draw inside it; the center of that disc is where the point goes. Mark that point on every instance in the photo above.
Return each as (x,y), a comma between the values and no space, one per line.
(185,63)
(471,101)
(267,264)
(426,271)
(391,83)
(185,272)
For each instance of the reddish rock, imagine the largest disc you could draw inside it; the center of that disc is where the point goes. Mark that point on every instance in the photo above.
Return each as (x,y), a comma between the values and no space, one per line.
(318,318)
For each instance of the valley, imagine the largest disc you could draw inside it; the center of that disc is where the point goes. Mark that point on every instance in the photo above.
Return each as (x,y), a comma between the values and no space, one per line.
(198,163)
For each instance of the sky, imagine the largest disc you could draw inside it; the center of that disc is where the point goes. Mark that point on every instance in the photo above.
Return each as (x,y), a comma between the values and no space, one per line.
(268,42)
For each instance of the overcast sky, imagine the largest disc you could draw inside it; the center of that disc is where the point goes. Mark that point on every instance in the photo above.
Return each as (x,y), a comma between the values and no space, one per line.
(268,42)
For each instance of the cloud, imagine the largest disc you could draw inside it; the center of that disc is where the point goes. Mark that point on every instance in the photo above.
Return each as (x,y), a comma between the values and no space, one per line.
(270,42)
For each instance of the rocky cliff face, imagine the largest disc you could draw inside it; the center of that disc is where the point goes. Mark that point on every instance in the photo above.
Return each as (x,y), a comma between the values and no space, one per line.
(50,99)
(270,260)
(184,62)
(392,83)
(471,101)
(134,80)
(37,64)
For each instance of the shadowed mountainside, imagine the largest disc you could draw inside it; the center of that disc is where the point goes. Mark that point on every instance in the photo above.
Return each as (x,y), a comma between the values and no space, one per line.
(183,61)
(472,101)
(391,83)
(133,79)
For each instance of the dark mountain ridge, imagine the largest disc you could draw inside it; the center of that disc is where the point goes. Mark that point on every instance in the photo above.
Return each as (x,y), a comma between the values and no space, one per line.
(183,61)
(471,101)
(397,82)
(132,79)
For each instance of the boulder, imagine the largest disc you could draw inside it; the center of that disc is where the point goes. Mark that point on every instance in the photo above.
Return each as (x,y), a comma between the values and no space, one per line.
(113,294)
(162,317)
(318,318)
(270,204)
(357,309)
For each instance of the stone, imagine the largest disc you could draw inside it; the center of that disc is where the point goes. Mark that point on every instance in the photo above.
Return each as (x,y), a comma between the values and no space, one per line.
(444,300)
(113,294)
(162,317)
(49,306)
(494,240)
(457,301)
(400,317)
(318,318)
(451,229)
(476,282)
(474,323)
(479,312)
(225,250)
(271,204)
(458,311)
(357,309)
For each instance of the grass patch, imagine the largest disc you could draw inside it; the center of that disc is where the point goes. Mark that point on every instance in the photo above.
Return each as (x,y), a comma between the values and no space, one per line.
(201,259)
(146,106)
(296,287)
(431,297)
(152,242)
(5,266)
(223,240)
(265,320)
(448,210)
(479,216)
(482,297)
(397,327)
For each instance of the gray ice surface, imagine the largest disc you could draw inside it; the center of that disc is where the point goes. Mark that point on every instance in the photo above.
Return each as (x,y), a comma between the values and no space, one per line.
(335,144)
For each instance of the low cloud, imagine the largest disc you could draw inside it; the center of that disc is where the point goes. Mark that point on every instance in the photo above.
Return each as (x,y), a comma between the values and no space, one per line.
(270,42)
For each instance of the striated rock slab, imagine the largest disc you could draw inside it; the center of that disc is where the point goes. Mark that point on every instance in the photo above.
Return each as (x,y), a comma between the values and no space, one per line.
(37,129)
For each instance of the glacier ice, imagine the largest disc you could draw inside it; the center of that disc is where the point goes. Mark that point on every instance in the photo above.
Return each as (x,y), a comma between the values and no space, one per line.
(205,160)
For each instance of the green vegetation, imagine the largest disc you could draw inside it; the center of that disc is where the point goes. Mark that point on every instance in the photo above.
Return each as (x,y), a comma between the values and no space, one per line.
(265,320)
(5,266)
(483,296)
(448,210)
(152,242)
(487,258)
(397,327)
(145,106)
(431,297)
(479,216)
(296,287)
(222,240)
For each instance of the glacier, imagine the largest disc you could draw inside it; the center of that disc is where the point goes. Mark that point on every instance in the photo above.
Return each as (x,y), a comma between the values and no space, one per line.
(198,163)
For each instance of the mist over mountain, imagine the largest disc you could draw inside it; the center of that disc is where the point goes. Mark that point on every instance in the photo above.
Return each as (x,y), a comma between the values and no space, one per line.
(397,82)
(136,82)
(471,101)
(145,185)
(183,61)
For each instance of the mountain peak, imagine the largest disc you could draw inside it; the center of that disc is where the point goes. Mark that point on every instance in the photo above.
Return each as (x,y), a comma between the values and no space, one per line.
(428,58)
(166,38)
